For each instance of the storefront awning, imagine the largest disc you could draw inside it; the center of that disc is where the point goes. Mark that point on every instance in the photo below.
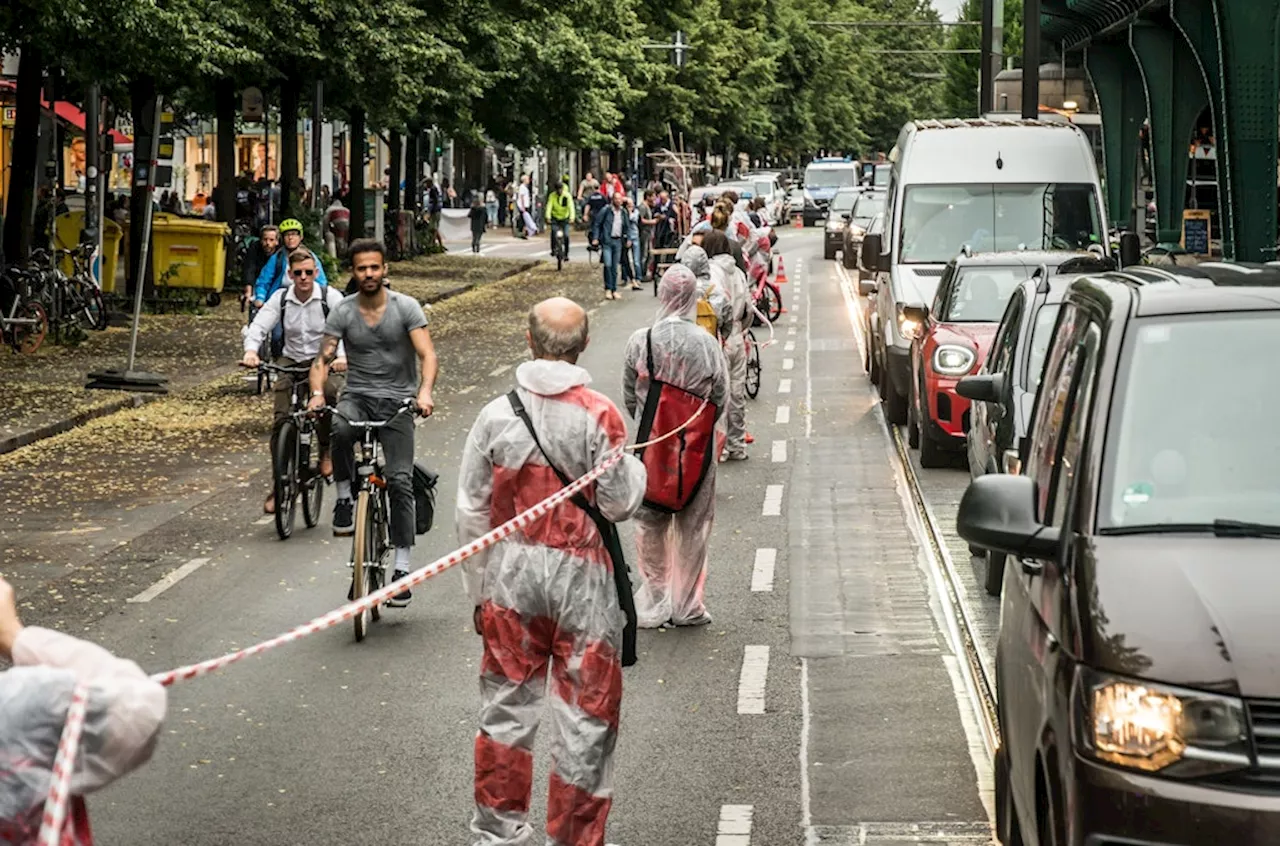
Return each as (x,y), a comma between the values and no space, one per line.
(68,113)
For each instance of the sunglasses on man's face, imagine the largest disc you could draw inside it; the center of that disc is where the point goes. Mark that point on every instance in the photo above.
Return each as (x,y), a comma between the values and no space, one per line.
(304,271)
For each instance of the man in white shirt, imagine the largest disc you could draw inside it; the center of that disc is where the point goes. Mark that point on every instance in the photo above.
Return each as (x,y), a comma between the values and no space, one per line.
(524,204)
(302,308)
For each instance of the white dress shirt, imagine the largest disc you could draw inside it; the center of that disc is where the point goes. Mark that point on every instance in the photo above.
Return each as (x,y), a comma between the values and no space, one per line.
(303,323)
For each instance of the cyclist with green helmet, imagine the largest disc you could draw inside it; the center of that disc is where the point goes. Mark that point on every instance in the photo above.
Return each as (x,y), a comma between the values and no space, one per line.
(274,273)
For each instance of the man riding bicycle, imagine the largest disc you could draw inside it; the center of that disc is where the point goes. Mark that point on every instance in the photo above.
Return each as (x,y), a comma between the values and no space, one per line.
(301,310)
(390,358)
(560,214)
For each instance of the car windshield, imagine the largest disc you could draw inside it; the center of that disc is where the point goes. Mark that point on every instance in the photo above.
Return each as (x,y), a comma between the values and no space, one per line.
(830,177)
(843,202)
(764,189)
(1041,337)
(981,293)
(939,220)
(868,206)
(1174,458)
(882,176)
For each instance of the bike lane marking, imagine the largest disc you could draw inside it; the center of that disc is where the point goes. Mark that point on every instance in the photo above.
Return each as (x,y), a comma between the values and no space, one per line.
(779,452)
(772,501)
(783,415)
(170,580)
(762,573)
(735,825)
(784,386)
(751,683)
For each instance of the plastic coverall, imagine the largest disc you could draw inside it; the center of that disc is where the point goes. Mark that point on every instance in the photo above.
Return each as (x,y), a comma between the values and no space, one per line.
(122,722)
(548,598)
(726,276)
(673,547)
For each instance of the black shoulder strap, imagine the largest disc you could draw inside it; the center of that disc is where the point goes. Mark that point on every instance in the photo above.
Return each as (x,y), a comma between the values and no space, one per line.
(284,300)
(648,354)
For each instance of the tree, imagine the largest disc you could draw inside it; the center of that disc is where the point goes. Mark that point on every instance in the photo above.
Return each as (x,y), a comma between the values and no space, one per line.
(960,89)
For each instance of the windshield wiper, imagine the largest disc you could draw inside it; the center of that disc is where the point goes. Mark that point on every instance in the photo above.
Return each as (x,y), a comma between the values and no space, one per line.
(1219,528)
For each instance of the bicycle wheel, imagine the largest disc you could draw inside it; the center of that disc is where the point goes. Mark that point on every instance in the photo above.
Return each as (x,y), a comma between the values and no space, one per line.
(85,304)
(285,467)
(27,337)
(753,366)
(770,302)
(359,551)
(313,486)
(376,566)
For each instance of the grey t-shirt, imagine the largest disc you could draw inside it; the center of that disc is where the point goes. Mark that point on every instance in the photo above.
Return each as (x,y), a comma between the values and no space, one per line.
(381,362)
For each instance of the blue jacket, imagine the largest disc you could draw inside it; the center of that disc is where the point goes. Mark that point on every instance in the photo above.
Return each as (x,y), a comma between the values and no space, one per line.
(271,279)
(604,229)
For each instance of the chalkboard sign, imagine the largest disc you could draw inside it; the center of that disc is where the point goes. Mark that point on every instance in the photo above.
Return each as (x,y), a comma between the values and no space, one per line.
(1195,231)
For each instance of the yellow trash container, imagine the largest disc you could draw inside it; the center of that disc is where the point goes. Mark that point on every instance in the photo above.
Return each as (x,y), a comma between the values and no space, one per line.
(188,253)
(66,234)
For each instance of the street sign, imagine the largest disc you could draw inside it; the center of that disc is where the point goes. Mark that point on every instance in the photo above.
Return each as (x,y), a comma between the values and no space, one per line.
(1195,231)
(252,104)
(10,116)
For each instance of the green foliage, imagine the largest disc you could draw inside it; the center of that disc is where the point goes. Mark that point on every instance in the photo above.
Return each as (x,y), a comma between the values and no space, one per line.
(960,91)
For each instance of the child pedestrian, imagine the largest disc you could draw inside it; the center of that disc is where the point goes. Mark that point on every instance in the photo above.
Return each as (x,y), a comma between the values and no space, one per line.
(479,220)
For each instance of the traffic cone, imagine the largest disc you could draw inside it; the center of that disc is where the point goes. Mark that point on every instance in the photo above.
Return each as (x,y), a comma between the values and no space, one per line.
(780,278)
(797,221)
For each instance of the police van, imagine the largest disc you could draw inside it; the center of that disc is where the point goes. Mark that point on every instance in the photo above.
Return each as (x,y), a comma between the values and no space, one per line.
(822,179)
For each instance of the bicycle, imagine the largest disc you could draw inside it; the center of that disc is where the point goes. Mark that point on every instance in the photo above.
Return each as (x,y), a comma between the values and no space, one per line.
(81,298)
(295,465)
(561,248)
(371,542)
(754,369)
(768,301)
(25,326)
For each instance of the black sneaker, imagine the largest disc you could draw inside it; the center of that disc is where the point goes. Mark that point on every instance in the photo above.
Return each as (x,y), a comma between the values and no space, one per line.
(344,523)
(404,597)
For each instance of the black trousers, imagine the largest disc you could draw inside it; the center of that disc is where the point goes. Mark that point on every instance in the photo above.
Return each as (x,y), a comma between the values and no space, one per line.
(397,451)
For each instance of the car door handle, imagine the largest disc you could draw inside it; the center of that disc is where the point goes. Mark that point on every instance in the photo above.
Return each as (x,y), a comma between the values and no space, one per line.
(1032,567)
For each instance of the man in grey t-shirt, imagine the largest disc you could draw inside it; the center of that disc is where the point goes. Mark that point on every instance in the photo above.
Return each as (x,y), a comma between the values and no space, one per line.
(390,358)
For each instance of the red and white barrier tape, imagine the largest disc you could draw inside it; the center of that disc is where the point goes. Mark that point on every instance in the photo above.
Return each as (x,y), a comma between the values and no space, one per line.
(64,764)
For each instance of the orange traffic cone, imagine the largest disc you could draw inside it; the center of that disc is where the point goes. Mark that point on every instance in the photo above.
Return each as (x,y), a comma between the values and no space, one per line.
(797,221)
(780,278)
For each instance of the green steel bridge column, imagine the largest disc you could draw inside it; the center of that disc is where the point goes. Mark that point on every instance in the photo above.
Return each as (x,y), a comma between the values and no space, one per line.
(1176,96)
(1247,34)
(1116,82)
(1195,19)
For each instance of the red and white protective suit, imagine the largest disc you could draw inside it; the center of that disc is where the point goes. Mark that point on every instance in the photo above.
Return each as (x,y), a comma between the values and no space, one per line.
(673,547)
(726,276)
(548,601)
(123,718)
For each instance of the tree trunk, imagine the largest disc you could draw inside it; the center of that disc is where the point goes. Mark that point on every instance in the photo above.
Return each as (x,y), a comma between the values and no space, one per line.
(224,194)
(142,97)
(20,205)
(288,146)
(411,168)
(396,142)
(359,146)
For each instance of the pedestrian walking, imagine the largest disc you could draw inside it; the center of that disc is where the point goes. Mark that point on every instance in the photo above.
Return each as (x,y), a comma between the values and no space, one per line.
(644,245)
(631,244)
(435,202)
(733,283)
(124,714)
(524,207)
(675,359)
(611,234)
(491,204)
(479,220)
(551,597)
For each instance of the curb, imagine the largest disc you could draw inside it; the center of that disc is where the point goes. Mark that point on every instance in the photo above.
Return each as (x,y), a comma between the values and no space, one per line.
(57,427)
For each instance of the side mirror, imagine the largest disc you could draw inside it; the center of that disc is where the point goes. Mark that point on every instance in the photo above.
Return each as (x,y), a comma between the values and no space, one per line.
(982,388)
(916,313)
(869,257)
(1130,249)
(867,286)
(847,216)
(998,512)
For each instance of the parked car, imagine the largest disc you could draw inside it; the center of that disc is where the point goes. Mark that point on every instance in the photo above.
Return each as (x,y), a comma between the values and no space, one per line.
(983,184)
(868,279)
(767,184)
(868,205)
(1004,389)
(1137,683)
(950,339)
(841,210)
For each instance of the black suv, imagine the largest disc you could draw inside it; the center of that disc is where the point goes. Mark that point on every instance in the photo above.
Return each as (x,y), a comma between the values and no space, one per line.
(1136,668)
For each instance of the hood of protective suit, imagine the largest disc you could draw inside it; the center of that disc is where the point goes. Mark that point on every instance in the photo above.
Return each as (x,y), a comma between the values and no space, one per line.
(549,378)
(695,258)
(678,294)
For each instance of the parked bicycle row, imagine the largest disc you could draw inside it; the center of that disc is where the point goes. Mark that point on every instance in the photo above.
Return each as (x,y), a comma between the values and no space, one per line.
(38,296)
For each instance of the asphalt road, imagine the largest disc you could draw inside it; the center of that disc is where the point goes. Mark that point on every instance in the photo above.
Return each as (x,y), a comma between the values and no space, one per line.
(861,738)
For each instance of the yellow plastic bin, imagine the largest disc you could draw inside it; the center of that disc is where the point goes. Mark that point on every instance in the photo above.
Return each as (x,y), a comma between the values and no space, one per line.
(188,253)
(66,234)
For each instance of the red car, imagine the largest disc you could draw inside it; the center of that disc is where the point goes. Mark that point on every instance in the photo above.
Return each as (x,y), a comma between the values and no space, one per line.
(952,339)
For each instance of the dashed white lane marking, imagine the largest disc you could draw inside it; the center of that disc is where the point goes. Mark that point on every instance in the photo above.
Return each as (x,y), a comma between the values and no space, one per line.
(762,573)
(772,501)
(498,371)
(735,825)
(783,415)
(751,684)
(542,253)
(791,330)
(784,386)
(779,452)
(789,346)
(264,521)
(170,580)
(794,319)
(788,363)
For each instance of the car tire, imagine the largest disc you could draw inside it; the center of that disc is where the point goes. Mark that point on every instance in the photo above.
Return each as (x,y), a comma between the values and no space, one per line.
(913,423)
(995,573)
(932,455)
(895,404)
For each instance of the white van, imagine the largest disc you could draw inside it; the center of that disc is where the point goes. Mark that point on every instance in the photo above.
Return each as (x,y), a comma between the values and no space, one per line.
(979,185)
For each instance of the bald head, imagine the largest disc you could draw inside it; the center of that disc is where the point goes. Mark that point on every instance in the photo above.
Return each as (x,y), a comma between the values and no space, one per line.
(558,330)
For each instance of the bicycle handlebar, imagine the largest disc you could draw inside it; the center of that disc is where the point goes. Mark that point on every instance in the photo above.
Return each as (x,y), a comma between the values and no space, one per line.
(410,405)
(266,366)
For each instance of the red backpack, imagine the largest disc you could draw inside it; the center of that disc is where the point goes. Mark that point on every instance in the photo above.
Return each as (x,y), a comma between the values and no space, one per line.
(678,464)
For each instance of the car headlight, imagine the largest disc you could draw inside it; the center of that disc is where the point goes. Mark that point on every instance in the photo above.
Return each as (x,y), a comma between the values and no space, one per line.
(835,225)
(856,231)
(1159,728)
(953,360)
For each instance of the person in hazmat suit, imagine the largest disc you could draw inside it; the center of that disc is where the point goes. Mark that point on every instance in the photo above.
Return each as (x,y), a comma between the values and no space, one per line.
(672,547)
(548,596)
(123,716)
(726,276)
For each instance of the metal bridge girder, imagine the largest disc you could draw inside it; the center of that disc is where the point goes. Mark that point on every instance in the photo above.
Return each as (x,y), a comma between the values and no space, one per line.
(1116,83)
(1176,96)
